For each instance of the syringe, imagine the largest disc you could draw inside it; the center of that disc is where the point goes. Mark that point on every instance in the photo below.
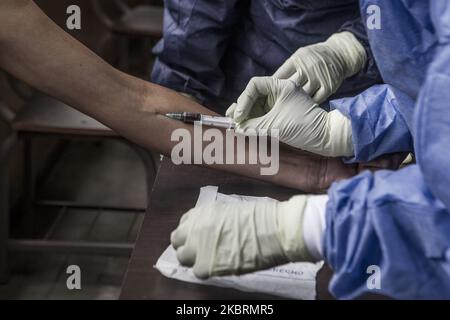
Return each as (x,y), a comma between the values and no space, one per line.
(211,121)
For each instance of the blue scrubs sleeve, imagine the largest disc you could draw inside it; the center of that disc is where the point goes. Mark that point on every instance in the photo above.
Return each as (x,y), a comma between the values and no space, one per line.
(391,223)
(432,119)
(196,35)
(398,223)
(381,122)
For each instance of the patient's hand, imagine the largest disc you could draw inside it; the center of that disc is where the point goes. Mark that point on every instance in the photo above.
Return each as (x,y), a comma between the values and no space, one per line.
(388,161)
(315,174)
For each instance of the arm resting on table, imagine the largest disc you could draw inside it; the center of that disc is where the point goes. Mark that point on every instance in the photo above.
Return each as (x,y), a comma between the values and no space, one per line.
(37,51)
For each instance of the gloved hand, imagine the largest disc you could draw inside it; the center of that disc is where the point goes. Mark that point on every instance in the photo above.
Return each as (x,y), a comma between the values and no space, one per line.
(322,67)
(234,238)
(270,103)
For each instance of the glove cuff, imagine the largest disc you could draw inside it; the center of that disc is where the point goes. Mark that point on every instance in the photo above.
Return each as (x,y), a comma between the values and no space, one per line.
(314,225)
(349,50)
(290,229)
(339,141)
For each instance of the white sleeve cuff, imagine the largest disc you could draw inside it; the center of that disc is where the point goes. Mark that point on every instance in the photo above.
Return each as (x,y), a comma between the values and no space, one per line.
(314,225)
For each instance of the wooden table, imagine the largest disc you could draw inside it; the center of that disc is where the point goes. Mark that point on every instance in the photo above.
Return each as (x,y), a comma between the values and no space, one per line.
(175,191)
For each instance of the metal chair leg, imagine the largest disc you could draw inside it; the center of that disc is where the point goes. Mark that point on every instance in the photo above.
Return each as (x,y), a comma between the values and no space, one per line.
(29,188)
(5,153)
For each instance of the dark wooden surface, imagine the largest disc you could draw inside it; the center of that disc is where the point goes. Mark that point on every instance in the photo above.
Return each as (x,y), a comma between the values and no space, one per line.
(175,191)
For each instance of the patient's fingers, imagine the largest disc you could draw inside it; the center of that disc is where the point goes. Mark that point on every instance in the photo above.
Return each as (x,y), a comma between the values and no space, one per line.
(389,161)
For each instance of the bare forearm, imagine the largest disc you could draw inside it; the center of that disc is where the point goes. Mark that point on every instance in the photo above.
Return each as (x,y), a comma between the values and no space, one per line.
(37,51)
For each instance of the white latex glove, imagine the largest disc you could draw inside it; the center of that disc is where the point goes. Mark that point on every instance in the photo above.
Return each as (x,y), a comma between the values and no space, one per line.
(270,103)
(322,67)
(235,238)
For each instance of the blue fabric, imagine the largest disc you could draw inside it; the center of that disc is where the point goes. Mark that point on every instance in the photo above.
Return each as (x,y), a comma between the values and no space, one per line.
(403,58)
(391,220)
(380,125)
(432,119)
(400,221)
(211,49)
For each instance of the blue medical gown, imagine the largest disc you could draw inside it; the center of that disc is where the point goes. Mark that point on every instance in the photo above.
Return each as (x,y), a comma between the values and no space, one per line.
(211,49)
(400,221)
(381,120)
(382,116)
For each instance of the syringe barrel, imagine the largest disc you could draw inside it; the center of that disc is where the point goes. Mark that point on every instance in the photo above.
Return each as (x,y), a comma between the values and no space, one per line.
(219,122)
